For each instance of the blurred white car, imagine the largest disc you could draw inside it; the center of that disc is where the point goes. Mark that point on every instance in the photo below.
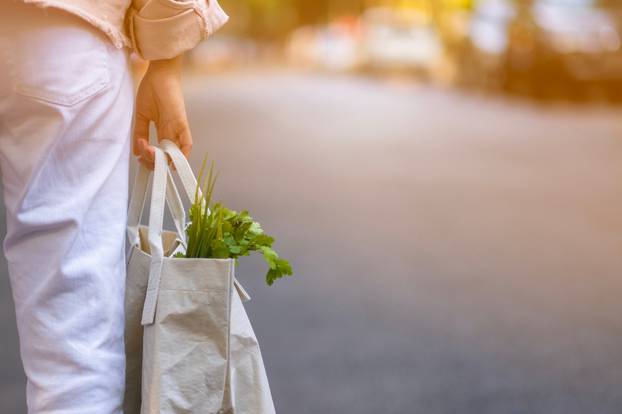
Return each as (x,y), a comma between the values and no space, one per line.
(382,39)
(336,46)
(400,39)
(222,52)
(545,48)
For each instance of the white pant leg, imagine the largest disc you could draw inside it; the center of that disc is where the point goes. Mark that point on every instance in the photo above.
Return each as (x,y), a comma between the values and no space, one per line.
(66,102)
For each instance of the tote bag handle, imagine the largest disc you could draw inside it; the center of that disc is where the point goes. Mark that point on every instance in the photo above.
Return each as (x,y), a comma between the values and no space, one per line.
(156,221)
(188,180)
(137,204)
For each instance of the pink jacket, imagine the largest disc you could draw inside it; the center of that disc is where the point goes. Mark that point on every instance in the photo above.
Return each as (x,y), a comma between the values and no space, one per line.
(155,29)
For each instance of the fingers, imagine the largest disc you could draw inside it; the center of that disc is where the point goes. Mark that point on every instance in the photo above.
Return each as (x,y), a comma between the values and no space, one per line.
(179,134)
(147,164)
(185,142)
(141,133)
(140,142)
(146,154)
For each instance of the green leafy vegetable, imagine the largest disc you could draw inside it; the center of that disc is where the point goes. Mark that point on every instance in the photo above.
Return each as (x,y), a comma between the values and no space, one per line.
(217,232)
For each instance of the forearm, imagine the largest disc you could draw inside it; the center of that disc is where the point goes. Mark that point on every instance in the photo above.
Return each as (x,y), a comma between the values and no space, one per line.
(160,100)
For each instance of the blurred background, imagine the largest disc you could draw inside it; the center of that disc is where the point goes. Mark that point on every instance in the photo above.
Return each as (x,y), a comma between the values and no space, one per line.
(545,49)
(444,176)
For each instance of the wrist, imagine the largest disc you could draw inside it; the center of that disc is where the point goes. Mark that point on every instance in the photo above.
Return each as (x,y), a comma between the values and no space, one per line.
(167,66)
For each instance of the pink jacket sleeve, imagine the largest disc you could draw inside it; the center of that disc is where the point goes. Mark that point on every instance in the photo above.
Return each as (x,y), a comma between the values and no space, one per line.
(162,29)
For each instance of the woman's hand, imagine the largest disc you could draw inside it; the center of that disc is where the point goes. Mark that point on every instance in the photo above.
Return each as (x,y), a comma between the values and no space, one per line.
(160,100)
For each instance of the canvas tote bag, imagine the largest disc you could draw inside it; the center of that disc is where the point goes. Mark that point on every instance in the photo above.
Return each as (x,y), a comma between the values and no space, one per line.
(187,332)
(137,278)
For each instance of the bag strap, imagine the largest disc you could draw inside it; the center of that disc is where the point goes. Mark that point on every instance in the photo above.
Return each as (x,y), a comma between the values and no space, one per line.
(241,291)
(173,201)
(156,221)
(137,204)
(188,180)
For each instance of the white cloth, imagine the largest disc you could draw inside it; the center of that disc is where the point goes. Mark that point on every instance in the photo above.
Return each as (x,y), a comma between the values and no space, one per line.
(66,102)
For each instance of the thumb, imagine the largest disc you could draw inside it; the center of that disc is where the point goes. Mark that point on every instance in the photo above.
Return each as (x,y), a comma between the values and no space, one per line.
(141,133)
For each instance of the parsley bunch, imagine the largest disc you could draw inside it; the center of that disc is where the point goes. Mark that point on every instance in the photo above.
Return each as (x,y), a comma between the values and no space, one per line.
(217,232)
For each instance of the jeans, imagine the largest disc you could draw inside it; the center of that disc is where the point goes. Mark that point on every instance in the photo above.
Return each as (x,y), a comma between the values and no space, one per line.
(66,103)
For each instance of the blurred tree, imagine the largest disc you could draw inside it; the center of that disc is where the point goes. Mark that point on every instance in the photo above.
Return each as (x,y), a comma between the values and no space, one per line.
(261,19)
(337,8)
(274,19)
(310,12)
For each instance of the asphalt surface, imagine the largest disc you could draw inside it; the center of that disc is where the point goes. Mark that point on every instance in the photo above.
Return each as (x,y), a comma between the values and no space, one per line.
(453,253)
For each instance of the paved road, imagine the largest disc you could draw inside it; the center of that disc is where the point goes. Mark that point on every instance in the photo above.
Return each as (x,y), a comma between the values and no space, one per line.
(454,254)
